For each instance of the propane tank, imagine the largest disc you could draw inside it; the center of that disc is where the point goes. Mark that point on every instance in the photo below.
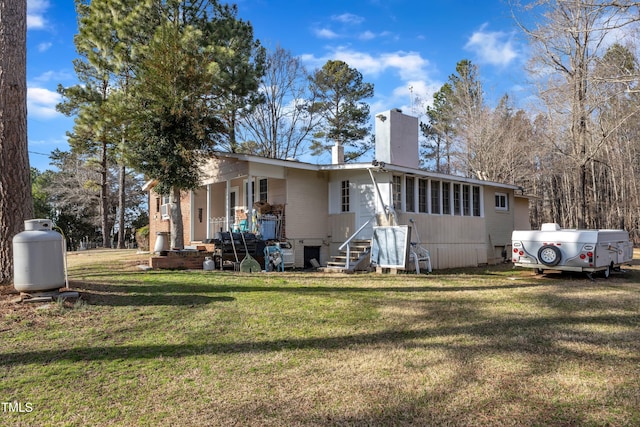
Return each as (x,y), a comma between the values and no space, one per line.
(208,264)
(38,257)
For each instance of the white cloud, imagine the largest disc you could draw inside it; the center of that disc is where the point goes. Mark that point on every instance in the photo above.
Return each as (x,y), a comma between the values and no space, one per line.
(367,35)
(325,33)
(492,47)
(43,47)
(60,141)
(41,102)
(408,65)
(51,76)
(409,69)
(348,18)
(35,14)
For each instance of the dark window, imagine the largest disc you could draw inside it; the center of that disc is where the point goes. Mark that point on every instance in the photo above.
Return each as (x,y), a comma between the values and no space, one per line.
(446,198)
(466,200)
(422,195)
(476,201)
(344,196)
(456,199)
(435,197)
(263,190)
(411,198)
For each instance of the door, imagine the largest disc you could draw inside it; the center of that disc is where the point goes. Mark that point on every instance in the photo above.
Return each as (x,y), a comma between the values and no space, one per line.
(365,209)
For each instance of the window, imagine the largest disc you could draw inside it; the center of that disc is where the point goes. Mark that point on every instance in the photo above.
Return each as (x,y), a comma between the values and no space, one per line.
(456,199)
(397,192)
(165,206)
(502,202)
(263,190)
(344,196)
(422,195)
(411,197)
(466,200)
(476,200)
(435,197)
(446,198)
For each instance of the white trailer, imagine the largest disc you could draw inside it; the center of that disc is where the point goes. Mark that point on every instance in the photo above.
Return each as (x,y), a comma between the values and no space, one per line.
(554,248)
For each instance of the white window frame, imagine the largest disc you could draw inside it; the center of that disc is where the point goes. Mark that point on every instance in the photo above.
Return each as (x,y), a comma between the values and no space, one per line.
(502,202)
(165,206)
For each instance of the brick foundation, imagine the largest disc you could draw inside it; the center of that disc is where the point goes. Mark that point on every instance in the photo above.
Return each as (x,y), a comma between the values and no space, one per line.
(184,260)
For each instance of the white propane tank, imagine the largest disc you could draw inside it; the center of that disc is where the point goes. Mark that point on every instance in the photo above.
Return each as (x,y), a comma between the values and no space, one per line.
(38,257)
(208,264)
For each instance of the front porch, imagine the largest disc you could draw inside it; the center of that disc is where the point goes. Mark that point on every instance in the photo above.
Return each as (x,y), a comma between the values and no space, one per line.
(236,206)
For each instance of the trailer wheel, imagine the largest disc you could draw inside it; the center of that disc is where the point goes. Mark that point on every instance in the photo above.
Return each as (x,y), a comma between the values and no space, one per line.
(549,255)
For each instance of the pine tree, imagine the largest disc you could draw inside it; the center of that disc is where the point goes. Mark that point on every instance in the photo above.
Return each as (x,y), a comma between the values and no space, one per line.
(15,188)
(173,122)
(338,91)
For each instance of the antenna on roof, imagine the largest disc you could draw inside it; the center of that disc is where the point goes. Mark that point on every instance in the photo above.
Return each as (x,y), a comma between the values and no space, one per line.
(411,98)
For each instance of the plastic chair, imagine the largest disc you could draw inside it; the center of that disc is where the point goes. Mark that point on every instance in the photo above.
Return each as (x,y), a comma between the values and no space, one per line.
(420,254)
(241,227)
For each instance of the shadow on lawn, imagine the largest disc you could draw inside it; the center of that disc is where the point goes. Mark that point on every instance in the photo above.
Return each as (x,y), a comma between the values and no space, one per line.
(155,299)
(173,288)
(506,336)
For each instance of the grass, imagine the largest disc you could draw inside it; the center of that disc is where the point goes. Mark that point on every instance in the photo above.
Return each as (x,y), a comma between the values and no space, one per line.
(486,346)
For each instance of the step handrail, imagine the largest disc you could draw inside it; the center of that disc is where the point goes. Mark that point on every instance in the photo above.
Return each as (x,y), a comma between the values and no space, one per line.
(348,242)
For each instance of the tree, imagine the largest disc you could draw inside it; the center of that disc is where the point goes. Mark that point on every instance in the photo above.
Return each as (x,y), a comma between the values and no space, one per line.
(16,204)
(73,195)
(279,126)
(108,31)
(173,121)
(567,44)
(615,169)
(41,204)
(338,92)
(438,130)
(470,124)
(240,61)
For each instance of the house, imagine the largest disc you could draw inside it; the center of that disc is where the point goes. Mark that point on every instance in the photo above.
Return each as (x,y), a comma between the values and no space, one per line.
(462,221)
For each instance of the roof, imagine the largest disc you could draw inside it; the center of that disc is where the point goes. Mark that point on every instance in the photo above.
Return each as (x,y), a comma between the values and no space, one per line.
(296,164)
(421,173)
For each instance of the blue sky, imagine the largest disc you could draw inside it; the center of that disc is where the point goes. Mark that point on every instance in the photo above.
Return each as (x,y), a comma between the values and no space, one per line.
(407,49)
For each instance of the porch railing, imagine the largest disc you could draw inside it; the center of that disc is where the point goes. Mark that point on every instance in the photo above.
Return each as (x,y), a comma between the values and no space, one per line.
(218,224)
(347,243)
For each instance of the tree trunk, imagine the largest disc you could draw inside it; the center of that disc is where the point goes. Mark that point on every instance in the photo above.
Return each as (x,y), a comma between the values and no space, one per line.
(177,229)
(104,202)
(16,204)
(121,207)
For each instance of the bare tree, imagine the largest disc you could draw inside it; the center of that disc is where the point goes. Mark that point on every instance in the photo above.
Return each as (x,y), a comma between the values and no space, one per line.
(567,42)
(280,126)
(15,181)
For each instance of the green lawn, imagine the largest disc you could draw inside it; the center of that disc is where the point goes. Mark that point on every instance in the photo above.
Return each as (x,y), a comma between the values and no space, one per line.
(488,346)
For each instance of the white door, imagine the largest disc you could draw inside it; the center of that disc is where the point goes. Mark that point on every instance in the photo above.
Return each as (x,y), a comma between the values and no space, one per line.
(365,208)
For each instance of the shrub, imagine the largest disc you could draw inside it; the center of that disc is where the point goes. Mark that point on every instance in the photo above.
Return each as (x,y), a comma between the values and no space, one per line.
(142,238)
